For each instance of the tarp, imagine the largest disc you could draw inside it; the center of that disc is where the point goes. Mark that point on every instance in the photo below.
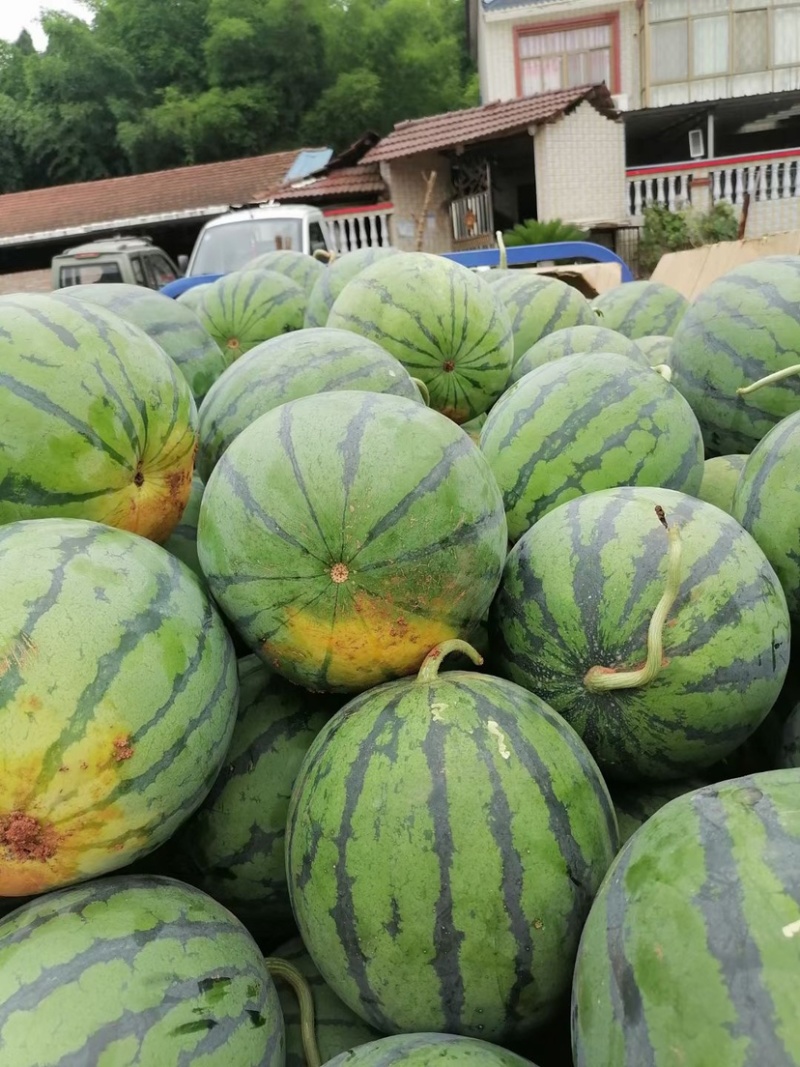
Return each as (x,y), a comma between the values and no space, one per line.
(693,271)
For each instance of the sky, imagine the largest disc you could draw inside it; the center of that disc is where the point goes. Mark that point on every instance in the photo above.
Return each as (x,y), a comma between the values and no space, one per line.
(16,15)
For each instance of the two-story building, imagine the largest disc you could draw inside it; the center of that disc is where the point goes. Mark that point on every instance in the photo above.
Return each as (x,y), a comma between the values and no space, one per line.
(709,89)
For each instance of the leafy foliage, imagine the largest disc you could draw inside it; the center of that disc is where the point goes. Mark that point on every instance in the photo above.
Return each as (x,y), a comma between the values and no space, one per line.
(675,231)
(153,84)
(533,232)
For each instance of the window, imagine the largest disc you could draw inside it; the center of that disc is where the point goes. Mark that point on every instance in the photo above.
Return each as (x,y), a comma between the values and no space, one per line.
(138,273)
(316,238)
(228,246)
(566,55)
(161,269)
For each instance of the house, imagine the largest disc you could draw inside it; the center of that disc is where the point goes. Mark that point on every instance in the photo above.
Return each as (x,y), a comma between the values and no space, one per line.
(458,177)
(709,90)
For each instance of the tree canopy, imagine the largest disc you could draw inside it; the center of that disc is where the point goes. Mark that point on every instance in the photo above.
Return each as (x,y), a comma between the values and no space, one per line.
(150,85)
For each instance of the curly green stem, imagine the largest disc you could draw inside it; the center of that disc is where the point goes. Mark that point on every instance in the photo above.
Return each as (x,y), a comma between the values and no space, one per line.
(423,390)
(279,968)
(503,264)
(602,679)
(778,376)
(429,670)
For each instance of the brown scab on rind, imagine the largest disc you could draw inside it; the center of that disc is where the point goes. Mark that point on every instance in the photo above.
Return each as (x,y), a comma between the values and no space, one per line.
(339,573)
(25,838)
(232,342)
(449,365)
(123,749)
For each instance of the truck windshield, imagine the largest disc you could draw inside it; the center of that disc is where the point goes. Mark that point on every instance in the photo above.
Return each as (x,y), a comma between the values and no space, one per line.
(222,249)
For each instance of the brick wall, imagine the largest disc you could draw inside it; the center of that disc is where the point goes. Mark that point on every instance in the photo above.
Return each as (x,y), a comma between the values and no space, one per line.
(580,169)
(29,281)
(496,60)
(406,180)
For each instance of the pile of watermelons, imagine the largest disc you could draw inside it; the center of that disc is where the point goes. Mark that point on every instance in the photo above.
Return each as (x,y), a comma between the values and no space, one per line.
(395,669)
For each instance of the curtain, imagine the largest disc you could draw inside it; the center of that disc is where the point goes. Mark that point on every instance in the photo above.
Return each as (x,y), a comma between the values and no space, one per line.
(710,46)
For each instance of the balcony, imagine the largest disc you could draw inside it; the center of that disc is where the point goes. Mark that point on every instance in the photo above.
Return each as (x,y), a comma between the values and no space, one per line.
(350,228)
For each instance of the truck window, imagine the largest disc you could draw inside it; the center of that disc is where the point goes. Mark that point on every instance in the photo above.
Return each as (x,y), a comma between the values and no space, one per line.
(138,270)
(222,249)
(89,273)
(316,238)
(162,270)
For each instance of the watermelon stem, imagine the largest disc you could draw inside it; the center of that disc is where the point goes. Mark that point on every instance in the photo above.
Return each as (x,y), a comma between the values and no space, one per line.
(778,376)
(279,968)
(503,263)
(429,671)
(664,370)
(602,679)
(423,389)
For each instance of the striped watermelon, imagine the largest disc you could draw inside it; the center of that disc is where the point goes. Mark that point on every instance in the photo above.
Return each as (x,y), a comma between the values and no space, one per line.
(583,423)
(335,277)
(287,368)
(134,970)
(301,268)
(494,813)
(571,342)
(657,348)
(174,327)
(96,422)
(429,1050)
(182,542)
(767,503)
(720,478)
(232,847)
(538,305)
(744,327)
(641,309)
(337,1028)
(191,297)
(346,533)
(242,309)
(111,649)
(790,740)
(579,592)
(691,951)
(440,320)
(634,805)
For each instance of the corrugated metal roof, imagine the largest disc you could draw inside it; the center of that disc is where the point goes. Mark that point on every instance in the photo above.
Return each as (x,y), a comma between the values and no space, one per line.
(309,161)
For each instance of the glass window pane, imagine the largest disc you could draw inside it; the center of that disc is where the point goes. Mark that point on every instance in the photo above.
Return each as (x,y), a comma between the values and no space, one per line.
(786,36)
(750,42)
(667,9)
(710,46)
(600,67)
(531,72)
(669,51)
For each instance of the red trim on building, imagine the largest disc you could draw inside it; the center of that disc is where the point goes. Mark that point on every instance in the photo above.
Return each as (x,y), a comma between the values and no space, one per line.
(387,205)
(722,161)
(610,18)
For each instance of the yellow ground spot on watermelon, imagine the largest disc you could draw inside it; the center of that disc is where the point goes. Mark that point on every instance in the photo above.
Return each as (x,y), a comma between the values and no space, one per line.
(363,647)
(153,503)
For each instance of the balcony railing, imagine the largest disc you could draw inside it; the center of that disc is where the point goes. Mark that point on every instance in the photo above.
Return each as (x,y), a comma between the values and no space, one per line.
(359,227)
(764,175)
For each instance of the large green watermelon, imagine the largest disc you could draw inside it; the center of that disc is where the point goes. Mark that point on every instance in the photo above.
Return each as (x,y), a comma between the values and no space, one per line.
(744,327)
(134,970)
(578,596)
(635,804)
(336,1027)
(242,309)
(691,952)
(588,422)
(96,422)
(440,320)
(175,327)
(538,305)
(790,739)
(300,267)
(287,368)
(335,277)
(767,503)
(191,297)
(233,846)
(572,341)
(118,697)
(445,838)
(345,534)
(657,348)
(720,478)
(429,1050)
(641,309)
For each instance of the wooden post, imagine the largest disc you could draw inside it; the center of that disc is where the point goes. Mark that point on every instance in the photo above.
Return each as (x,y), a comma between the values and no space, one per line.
(430,181)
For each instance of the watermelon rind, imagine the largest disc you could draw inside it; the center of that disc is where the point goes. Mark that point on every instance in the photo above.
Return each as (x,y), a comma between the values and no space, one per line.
(572,341)
(242,309)
(428,1050)
(720,477)
(182,542)
(335,277)
(299,266)
(641,309)
(538,306)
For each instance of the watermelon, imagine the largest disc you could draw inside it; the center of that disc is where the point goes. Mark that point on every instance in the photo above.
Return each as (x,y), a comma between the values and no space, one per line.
(242,309)
(232,847)
(337,1028)
(496,816)
(182,542)
(174,327)
(191,297)
(657,348)
(572,341)
(335,277)
(440,320)
(635,804)
(428,1050)
(287,368)
(301,268)
(96,422)
(767,503)
(641,309)
(583,423)
(790,740)
(720,478)
(578,596)
(744,327)
(538,305)
(110,647)
(346,533)
(691,952)
(134,970)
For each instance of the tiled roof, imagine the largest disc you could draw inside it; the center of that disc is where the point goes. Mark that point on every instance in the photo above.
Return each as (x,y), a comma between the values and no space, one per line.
(346,181)
(499,119)
(65,209)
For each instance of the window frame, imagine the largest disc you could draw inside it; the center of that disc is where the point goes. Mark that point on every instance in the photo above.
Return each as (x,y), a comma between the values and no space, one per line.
(539,29)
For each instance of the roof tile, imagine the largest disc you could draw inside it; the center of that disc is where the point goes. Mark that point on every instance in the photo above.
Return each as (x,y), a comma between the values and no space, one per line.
(346,181)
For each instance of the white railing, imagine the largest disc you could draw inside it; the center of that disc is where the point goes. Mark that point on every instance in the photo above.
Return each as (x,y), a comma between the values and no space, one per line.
(765,176)
(359,227)
(472,216)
